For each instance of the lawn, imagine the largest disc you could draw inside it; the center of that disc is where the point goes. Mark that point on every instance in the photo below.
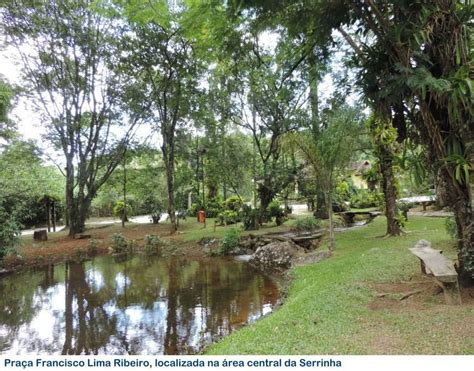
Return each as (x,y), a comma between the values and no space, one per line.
(350,303)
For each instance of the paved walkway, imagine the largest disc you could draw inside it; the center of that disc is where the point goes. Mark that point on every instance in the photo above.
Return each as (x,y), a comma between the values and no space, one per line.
(138,219)
(432,213)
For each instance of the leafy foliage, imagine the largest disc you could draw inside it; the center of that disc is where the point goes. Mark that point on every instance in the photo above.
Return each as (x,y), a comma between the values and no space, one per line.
(228,217)
(121,210)
(153,245)
(275,211)
(363,199)
(451,227)
(250,218)
(307,224)
(119,244)
(230,241)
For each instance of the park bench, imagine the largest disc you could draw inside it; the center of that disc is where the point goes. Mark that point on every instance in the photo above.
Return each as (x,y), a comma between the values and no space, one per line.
(348,216)
(423,200)
(440,268)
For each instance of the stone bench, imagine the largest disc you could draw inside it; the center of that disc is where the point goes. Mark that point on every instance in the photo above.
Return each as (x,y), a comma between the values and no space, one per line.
(440,268)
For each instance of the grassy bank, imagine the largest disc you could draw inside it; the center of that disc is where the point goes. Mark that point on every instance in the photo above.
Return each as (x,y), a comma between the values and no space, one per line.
(350,303)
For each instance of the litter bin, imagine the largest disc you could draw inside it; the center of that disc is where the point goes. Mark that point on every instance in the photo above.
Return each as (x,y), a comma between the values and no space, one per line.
(201,216)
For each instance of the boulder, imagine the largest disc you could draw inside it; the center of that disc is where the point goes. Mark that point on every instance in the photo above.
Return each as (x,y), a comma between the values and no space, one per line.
(277,255)
(41,235)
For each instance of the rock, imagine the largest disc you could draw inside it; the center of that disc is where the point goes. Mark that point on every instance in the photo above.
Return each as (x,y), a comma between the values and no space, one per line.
(276,255)
(41,235)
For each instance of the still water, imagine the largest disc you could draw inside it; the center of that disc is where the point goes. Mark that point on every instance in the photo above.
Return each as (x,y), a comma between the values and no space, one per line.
(141,305)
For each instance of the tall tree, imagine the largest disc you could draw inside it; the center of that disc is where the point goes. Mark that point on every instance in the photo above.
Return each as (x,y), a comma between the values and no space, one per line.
(269,105)
(427,77)
(6,97)
(67,53)
(331,152)
(162,62)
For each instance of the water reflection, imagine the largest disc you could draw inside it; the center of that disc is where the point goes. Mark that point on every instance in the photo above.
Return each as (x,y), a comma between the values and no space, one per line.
(136,306)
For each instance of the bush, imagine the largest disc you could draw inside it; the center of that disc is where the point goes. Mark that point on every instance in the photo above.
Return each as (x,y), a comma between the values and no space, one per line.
(363,199)
(451,227)
(231,241)
(250,218)
(92,247)
(153,245)
(228,217)
(307,224)
(10,232)
(119,244)
(213,207)
(403,208)
(131,246)
(154,207)
(233,203)
(121,210)
(275,211)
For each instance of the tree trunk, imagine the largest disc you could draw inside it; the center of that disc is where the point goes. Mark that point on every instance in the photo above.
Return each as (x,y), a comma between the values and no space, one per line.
(389,191)
(332,239)
(265,193)
(212,191)
(75,225)
(441,189)
(321,206)
(168,156)
(124,214)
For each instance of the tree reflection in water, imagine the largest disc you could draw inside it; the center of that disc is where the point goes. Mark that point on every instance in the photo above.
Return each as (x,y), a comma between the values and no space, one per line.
(134,306)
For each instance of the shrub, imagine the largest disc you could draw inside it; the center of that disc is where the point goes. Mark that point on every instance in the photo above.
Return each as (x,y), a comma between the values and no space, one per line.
(131,246)
(401,219)
(121,210)
(153,245)
(363,199)
(250,218)
(213,207)
(307,224)
(342,192)
(451,227)
(152,206)
(119,244)
(230,241)
(233,203)
(10,232)
(92,246)
(79,253)
(403,208)
(275,211)
(228,217)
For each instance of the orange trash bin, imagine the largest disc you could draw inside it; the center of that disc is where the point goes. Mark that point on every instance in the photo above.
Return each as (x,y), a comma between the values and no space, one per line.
(201,216)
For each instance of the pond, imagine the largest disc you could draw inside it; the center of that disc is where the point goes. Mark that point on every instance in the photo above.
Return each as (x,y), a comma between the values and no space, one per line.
(141,305)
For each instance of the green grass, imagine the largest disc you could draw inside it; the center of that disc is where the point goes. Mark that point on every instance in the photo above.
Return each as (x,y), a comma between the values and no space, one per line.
(327,309)
(192,231)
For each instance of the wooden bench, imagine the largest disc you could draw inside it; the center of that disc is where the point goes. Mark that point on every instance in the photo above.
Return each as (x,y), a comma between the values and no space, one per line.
(440,268)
